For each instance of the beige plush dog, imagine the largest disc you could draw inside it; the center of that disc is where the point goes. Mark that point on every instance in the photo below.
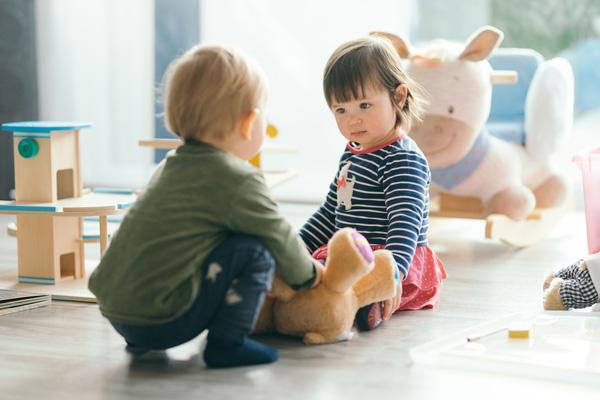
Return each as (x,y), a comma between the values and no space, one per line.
(354,277)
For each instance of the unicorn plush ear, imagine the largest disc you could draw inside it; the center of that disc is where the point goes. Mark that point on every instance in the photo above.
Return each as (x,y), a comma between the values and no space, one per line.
(402,46)
(481,44)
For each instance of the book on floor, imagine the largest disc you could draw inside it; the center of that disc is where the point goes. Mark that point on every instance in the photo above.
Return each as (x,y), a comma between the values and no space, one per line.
(12,301)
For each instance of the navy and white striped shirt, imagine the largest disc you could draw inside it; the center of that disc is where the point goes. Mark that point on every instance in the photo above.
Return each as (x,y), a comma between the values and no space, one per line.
(383,194)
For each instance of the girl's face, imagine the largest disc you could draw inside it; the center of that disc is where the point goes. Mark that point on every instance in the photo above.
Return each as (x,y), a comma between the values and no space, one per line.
(368,121)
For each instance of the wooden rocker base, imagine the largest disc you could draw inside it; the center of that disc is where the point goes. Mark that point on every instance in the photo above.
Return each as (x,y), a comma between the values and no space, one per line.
(515,233)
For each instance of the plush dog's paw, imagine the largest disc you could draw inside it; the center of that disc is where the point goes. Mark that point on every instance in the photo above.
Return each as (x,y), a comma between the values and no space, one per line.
(324,337)
(552,300)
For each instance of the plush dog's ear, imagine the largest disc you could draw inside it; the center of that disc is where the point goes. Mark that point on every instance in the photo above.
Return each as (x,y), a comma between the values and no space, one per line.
(481,44)
(401,45)
(350,258)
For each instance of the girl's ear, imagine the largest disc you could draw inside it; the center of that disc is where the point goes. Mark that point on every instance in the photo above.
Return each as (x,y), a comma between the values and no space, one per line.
(400,95)
(247,123)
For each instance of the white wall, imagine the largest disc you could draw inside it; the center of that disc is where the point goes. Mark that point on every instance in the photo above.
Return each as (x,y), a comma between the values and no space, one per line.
(95,64)
(292,40)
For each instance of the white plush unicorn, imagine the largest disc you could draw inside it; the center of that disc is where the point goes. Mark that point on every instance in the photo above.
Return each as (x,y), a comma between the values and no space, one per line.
(509,178)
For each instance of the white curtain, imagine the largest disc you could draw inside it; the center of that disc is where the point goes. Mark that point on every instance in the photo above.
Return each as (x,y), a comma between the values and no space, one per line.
(95,60)
(95,64)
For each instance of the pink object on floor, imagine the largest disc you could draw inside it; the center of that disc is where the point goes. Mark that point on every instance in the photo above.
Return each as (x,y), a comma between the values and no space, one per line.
(589,163)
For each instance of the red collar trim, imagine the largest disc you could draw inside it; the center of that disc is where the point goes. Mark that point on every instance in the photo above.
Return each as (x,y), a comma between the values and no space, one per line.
(373,149)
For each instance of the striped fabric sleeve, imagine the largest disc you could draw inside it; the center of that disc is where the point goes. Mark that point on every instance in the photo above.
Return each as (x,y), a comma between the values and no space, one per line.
(405,178)
(320,227)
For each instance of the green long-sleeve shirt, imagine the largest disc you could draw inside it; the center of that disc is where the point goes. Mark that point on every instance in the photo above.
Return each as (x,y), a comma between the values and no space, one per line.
(150,273)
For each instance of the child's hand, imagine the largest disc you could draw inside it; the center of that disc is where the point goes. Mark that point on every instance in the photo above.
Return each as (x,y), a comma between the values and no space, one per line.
(319,268)
(391,305)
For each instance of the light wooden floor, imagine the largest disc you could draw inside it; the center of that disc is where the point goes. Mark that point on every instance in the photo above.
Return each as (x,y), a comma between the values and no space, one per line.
(68,351)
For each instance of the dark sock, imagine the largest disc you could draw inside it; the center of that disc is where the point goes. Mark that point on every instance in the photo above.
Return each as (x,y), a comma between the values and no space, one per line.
(223,354)
(369,317)
(136,351)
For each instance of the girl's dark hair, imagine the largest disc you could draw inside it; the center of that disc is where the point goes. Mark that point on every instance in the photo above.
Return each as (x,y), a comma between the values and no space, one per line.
(370,62)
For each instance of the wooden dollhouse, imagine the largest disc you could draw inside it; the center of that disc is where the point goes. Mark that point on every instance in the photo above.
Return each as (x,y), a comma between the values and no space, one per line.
(50,201)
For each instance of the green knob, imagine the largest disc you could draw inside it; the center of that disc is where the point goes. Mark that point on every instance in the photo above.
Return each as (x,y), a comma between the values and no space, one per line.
(28,148)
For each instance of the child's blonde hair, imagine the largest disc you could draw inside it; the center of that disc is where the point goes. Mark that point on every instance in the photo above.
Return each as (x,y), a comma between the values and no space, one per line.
(209,89)
(370,62)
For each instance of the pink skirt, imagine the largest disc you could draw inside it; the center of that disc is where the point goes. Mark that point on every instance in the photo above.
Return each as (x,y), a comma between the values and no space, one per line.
(422,286)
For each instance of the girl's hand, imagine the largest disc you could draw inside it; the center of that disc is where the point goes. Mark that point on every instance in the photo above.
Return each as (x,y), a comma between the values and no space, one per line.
(391,305)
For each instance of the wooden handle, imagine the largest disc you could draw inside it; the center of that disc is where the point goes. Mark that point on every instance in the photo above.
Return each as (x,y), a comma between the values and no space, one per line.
(161,143)
(504,77)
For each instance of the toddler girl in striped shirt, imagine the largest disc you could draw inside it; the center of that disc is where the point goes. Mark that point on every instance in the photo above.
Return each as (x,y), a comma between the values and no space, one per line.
(381,187)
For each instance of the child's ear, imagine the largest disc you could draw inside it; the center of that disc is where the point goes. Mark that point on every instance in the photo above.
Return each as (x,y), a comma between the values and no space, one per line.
(400,95)
(247,123)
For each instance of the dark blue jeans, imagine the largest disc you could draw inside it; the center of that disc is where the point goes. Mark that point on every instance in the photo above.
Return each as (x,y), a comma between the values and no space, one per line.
(235,278)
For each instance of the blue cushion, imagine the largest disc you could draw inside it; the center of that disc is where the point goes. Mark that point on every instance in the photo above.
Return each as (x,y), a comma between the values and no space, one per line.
(508,101)
(507,114)
(509,131)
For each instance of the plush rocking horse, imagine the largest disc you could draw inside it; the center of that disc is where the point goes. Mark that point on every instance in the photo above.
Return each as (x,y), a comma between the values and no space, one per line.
(495,167)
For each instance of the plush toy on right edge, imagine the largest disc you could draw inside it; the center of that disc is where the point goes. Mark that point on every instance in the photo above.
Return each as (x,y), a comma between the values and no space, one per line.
(575,286)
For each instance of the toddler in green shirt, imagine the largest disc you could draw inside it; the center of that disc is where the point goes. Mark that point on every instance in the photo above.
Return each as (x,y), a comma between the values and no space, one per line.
(199,248)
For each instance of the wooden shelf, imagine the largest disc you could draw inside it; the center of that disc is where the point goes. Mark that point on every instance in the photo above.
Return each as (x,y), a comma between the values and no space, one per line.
(88,204)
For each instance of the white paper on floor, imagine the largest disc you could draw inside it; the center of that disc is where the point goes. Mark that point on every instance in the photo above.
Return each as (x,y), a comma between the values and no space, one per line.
(561,346)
